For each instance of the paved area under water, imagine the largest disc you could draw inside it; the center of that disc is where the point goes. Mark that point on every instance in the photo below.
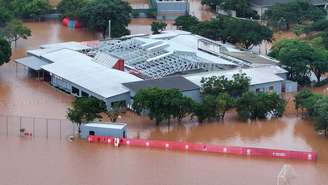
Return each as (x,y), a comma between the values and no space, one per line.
(51,161)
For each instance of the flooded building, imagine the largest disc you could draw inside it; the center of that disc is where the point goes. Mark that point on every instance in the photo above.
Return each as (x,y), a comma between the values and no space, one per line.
(171,9)
(186,87)
(114,70)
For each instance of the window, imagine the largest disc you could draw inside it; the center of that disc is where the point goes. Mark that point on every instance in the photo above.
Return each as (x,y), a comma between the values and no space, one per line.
(84,93)
(75,91)
(258,90)
(271,89)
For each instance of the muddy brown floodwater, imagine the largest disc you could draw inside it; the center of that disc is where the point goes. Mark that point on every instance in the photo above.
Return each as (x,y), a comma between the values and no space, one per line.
(51,161)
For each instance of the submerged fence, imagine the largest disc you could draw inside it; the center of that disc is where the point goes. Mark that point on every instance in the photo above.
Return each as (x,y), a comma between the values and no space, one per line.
(36,127)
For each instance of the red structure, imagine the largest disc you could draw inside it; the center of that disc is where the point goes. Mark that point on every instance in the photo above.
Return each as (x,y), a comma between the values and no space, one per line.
(119,65)
(71,23)
(185,146)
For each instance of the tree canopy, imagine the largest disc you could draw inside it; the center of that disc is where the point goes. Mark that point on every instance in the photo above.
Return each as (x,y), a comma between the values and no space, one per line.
(217,85)
(162,104)
(96,14)
(294,12)
(241,7)
(186,22)
(85,109)
(299,58)
(316,106)
(157,27)
(5,51)
(71,8)
(260,105)
(247,33)
(15,30)
(11,28)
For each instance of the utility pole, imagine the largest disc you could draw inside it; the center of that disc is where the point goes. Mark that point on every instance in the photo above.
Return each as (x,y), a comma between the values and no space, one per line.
(109,28)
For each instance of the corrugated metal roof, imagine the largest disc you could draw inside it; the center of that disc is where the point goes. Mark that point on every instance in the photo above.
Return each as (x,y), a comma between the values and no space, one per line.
(76,46)
(32,62)
(172,82)
(82,71)
(257,75)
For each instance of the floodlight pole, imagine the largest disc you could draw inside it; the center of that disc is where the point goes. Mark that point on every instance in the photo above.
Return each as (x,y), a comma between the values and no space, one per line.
(109,28)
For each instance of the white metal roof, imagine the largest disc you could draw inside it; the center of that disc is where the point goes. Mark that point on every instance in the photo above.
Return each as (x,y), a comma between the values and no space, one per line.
(107,125)
(40,52)
(257,75)
(82,71)
(32,62)
(76,46)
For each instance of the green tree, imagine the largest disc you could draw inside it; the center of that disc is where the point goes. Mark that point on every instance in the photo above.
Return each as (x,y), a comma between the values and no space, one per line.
(186,22)
(216,85)
(245,32)
(85,109)
(294,12)
(29,8)
(300,58)
(157,27)
(305,100)
(181,107)
(15,30)
(224,102)
(71,8)
(5,51)
(260,105)
(162,104)
(205,110)
(5,16)
(96,14)
(319,64)
(294,56)
(320,114)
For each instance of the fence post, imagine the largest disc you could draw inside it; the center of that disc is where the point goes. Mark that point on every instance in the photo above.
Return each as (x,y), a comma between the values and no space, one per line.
(33,126)
(60,125)
(20,125)
(47,128)
(7,126)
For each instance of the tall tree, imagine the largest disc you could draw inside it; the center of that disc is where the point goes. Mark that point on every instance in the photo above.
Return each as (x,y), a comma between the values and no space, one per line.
(294,12)
(96,14)
(85,109)
(186,22)
(247,33)
(320,115)
(224,102)
(300,58)
(71,8)
(157,27)
(15,30)
(260,105)
(5,51)
(216,85)
(294,56)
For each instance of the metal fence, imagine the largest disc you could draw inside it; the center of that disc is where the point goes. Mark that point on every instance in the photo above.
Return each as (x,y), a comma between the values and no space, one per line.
(36,127)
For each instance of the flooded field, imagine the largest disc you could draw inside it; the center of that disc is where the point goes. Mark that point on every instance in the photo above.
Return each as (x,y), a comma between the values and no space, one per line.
(40,161)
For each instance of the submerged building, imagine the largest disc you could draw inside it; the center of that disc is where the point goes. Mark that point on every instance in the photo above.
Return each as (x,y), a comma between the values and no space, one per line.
(115,70)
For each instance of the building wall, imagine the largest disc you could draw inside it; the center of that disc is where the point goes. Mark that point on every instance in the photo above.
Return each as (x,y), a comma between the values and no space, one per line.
(122,97)
(65,85)
(277,87)
(102,131)
(171,9)
(193,94)
(282,75)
